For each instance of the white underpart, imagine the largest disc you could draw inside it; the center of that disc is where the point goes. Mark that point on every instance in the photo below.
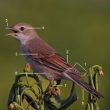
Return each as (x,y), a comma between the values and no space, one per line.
(23,39)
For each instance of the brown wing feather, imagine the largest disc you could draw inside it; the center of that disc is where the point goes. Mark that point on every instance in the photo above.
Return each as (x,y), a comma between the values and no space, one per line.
(48,57)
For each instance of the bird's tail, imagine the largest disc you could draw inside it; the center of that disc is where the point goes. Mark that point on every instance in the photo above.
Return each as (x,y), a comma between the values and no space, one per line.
(75,77)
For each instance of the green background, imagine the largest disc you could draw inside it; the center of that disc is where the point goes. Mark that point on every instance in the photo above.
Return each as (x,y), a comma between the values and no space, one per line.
(82,26)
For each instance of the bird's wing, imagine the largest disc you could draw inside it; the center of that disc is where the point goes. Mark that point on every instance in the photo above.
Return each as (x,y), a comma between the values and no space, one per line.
(58,63)
(48,57)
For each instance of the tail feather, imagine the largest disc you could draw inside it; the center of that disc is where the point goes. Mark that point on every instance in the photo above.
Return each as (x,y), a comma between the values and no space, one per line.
(79,80)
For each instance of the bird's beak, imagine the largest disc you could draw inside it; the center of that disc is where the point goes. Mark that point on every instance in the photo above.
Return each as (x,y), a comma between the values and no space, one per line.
(101,73)
(11,34)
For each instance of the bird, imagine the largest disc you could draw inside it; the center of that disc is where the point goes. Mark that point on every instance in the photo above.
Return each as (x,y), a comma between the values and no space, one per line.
(43,58)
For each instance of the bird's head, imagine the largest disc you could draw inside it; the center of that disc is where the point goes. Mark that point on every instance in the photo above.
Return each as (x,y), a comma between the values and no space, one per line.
(23,32)
(98,69)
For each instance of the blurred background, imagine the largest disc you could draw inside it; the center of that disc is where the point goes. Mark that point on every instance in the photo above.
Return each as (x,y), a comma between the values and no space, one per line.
(81,26)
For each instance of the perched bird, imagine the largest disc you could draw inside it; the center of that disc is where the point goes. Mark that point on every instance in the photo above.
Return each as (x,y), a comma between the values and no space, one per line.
(44,59)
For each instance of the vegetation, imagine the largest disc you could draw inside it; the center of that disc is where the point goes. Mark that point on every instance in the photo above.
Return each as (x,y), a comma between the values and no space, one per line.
(26,96)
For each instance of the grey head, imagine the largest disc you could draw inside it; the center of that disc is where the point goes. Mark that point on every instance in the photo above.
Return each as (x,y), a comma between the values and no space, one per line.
(23,32)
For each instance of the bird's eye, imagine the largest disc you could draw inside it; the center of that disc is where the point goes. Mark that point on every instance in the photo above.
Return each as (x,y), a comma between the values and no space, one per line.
(22,28)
